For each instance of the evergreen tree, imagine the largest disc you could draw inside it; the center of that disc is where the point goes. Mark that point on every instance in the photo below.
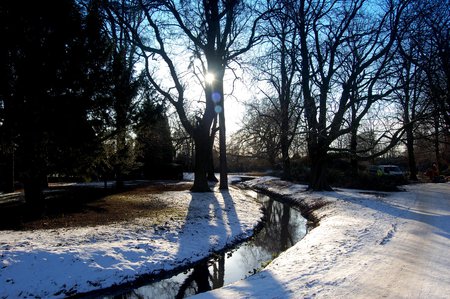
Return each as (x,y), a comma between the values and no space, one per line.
(46,91)
(154,147)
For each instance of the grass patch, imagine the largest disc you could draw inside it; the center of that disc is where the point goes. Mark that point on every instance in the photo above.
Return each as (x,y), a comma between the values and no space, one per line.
(83,206)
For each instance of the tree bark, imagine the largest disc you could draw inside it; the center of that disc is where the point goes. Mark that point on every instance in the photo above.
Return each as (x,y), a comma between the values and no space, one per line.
(284,138)
(436,136)
(120,155)
(354,145)
(8,176)
(35,168)
(284,98)
(319,170)
(411,154)
(211,172)
(223,148)
(353,159)
(34,196)
(202,150)
(286,164)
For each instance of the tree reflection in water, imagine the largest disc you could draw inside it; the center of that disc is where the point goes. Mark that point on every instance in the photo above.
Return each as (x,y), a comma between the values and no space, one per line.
(200,276)
(283,228)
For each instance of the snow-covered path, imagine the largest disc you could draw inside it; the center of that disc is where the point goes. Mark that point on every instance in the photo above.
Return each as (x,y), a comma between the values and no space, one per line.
(366,246)
(414,263)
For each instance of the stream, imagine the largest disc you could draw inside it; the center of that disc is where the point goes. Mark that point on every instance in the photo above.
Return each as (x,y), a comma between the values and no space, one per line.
(283,227)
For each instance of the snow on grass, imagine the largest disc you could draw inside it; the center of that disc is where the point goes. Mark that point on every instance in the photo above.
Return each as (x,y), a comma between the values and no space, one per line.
(365,245)
(60,262)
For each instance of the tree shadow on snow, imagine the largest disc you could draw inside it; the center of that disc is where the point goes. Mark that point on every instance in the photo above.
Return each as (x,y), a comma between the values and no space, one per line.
(197,243)
(223,230)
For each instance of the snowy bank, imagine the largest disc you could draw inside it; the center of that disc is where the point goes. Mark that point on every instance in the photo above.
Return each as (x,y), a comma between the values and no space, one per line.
(367,245)
(62,262)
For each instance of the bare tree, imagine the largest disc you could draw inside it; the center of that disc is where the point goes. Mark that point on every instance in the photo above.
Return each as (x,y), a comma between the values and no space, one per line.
(413,103)
(332,34)
(427,46)
(278,71)
(260,133)
(215,33)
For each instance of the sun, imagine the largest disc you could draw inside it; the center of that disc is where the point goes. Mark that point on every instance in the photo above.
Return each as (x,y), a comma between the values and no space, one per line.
(209,78)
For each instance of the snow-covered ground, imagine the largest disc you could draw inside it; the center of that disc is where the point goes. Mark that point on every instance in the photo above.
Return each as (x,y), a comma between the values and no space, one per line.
(60,262)
(365,246)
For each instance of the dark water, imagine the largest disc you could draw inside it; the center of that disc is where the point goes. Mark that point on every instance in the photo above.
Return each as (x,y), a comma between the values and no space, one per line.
(284,227)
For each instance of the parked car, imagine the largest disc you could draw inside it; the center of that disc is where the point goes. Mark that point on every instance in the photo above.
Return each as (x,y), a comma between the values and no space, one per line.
(386,170)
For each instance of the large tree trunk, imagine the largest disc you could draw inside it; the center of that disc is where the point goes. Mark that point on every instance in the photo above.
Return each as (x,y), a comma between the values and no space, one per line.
(286,162)
(411,155)
(202,152)
(34,196)
(223,151)
(219,99)
(318,180)
(34,175)
(8,175)
(284,99)
(284,140)
(211,170)
(211,173)
(353,159)
(119,158)
(354,144)
(436,136)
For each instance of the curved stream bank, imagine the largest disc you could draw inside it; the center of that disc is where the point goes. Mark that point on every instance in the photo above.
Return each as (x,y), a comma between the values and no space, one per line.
(283,227)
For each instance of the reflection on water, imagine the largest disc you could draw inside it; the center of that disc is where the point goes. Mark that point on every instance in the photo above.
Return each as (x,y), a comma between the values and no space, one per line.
(284,227)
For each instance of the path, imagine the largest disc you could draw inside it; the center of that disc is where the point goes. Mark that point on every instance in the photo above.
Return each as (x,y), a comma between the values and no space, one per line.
(415,262)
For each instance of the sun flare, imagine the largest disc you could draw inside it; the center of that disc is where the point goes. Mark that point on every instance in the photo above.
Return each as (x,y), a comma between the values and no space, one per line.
(209,78)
